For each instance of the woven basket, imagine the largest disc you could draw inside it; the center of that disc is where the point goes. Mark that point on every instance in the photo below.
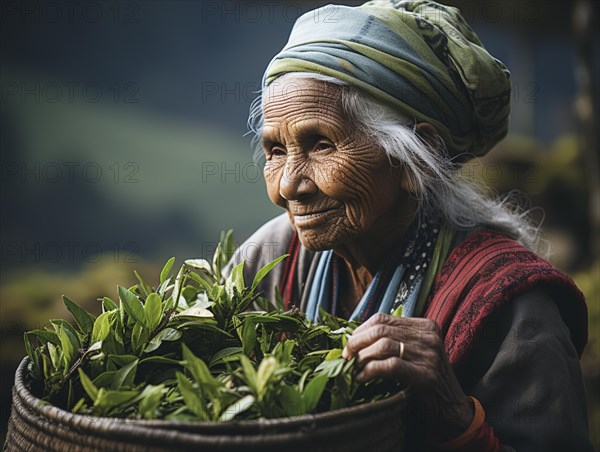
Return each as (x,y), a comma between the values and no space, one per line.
(378,426)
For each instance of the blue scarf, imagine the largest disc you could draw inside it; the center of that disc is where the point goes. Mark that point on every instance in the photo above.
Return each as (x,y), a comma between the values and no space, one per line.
(397,282)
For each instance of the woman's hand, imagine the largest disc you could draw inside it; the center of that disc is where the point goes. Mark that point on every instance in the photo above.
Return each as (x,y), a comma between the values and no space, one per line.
(424,367)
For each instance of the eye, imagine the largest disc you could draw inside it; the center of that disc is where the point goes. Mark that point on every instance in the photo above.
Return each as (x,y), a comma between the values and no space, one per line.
(323,144)
(275,150)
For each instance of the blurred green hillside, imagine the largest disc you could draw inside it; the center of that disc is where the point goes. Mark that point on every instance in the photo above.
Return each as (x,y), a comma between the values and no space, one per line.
(184,177)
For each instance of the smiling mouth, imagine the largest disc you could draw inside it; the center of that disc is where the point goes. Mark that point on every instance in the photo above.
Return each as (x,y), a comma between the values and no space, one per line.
(312,218)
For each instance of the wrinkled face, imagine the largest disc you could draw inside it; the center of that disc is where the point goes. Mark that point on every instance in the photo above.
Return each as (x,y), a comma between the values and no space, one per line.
(333,180)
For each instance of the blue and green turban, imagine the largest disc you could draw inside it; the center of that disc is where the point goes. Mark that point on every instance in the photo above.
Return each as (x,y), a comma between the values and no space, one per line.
(419,57)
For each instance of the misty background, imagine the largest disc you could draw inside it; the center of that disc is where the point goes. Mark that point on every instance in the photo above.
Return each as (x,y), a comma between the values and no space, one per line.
(122,140)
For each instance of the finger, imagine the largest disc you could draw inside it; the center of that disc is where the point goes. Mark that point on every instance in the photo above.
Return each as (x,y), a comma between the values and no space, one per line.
(378,318)
(414,326)
(414,375)
(400,329)
(389,368)
(363,339)
(383,348)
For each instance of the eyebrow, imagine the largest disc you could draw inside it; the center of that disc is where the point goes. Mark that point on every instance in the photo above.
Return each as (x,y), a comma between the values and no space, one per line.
(269,137)
(304,127)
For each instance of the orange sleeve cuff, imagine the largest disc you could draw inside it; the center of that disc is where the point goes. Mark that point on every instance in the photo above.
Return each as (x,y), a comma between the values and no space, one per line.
(470,434)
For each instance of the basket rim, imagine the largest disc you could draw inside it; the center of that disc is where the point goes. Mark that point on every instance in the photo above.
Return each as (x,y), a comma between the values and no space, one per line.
(93,422)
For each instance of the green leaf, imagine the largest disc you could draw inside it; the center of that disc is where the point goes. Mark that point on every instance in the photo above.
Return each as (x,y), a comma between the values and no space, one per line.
(47,367)
(228,245)
(116,398)
(283,350)
(122,360)
(398,311)
(153,311)
(78,406)
(110,344)
(164,287)
(70,394)
(88,386)
(303,379)
(74,337)
(108,304)
(34,356)
(199,264)
(249,372)
(196,366)
(101,327)
(286,350)
(54,355)
(204,324)
(202,301)
(94,347)
(237,407)
(189,294)
(264,338)
(168,334)
(224,353)
(178,286)
(313,392)
(191,397)
(258,375)
(164,274)
(314,331)
(194,312)
(160,360)
(265,370)
(142,287)
(333,354)
(265,271)
(331,368)
(125,376)
(204,284)
(151,397)
(248,336)
(108,399)
(67,346)
(182,302)
(133,306)
(84,319)
(105,379)
(139,335)
(237,277)
(47,336)
(291,401)
(217,262)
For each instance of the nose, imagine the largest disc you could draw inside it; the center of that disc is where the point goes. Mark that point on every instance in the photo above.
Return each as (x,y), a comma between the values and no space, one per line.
(295,183)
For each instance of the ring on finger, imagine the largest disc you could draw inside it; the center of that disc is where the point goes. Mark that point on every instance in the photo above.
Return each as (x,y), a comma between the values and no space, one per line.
(401,353)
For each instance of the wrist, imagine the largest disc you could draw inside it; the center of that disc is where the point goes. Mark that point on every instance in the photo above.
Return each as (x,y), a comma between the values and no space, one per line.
(455,420)
(470,434)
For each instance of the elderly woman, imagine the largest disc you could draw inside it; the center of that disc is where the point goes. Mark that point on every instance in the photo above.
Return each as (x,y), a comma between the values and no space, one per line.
(364,119)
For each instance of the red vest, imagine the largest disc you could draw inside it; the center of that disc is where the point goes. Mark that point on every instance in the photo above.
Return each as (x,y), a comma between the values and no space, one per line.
(479,276)
(484,272)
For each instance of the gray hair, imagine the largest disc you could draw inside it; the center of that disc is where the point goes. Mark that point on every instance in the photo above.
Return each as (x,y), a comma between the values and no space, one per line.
(441,189)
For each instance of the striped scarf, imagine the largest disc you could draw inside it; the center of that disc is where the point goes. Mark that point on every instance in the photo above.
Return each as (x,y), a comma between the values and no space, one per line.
(399,281)
(419,57)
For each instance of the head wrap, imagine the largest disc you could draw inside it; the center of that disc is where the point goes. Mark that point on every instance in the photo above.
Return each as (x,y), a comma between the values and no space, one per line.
(419,57)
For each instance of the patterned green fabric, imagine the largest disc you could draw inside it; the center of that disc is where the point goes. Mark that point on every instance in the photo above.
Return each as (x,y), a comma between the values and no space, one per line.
(420,57)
